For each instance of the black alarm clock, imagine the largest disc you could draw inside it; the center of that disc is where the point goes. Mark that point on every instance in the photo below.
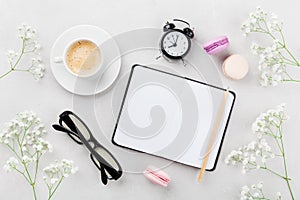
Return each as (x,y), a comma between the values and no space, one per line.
(176,43)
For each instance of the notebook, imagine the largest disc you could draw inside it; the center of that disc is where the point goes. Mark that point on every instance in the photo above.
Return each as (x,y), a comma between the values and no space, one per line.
(171,116)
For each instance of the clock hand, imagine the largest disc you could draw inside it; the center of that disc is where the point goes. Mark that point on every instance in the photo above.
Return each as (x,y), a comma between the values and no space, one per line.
(173,45)
(173,38)
(176,39)
(175,42)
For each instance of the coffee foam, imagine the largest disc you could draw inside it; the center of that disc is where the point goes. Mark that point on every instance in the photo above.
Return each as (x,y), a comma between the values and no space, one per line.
(83,57)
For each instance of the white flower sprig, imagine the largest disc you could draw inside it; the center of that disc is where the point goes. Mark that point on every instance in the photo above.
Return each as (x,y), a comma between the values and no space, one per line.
(252,156)
(55,174)
(255,192)
(27,34)
(274,59)
(256,154)
(23,136)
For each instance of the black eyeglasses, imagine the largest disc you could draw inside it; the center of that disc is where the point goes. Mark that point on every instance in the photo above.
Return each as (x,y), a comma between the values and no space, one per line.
(107,164)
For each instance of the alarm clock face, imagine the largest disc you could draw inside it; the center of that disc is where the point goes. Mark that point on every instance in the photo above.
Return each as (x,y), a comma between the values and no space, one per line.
(175,45)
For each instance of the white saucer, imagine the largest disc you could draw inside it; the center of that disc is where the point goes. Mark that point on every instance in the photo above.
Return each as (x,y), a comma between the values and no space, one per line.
(111,57)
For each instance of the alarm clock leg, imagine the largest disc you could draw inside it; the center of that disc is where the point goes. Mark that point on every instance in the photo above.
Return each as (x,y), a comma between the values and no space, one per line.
(184,64)
(159,56)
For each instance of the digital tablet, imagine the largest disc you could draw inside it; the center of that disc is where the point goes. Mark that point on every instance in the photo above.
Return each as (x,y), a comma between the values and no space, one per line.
(171,116)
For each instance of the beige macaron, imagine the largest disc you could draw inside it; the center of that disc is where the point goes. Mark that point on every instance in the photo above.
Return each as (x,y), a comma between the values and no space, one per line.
(235,67)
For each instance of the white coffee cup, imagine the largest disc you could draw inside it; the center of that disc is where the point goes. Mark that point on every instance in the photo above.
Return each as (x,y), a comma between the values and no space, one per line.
(82,58)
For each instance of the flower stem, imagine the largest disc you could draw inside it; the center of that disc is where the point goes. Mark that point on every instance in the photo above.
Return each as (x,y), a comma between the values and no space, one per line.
(283,44)
(273,172)
(36,166)
(31,181)
(22,70)
(22,173)
(285,165)
(21,55)
(291,80)
(292,56)
(34,191)
(51,193)
(8,72)
(287,50)
(12,68)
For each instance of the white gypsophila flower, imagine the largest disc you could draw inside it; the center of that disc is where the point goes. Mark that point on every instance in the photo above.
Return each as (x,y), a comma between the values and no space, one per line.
(53,181)
(256,48)
(37,69)
(252,24)
(26,130)
(26,159)
(260,185)
(278,196)
(261,21)
(30,46)
(52,169)
(42,146)
(26,32)
(245,192)
(256,195)
(251,156)
(11,56)
(11,164)
(255,192)
(252,193)
(28,35)
(58,171)
(68,167)
(271,63)
(274,24)
(266,122)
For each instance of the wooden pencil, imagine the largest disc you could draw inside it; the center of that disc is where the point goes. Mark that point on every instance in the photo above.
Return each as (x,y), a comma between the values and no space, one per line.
(213,134)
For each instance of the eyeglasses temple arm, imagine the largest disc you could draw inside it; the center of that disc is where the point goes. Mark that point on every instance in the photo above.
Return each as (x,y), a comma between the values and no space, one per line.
(60,128)
(101,169)
(103,175)
(63,129)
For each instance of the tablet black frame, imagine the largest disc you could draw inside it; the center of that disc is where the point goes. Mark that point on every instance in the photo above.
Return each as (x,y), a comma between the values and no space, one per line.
(200,82)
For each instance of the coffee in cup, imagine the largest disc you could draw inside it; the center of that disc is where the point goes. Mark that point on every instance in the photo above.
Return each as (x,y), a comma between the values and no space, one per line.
(83,58)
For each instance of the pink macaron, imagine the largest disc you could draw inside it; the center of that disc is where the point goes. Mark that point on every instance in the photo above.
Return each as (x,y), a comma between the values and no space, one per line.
(235,67)
(157,176)
(216,45)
